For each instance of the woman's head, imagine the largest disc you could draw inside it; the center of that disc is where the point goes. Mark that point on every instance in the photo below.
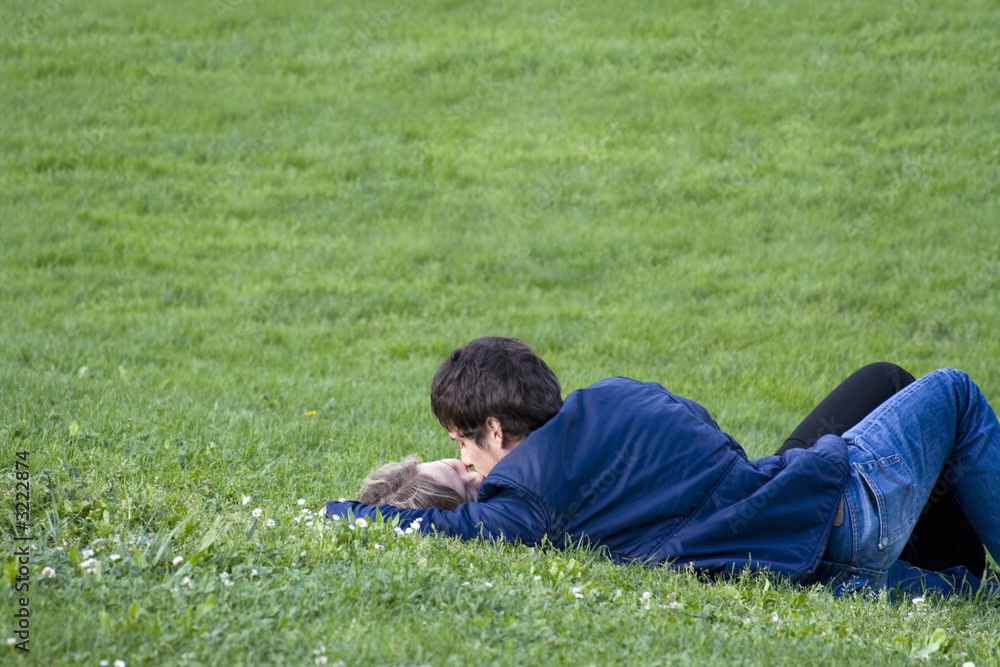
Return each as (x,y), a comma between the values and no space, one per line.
(444,484)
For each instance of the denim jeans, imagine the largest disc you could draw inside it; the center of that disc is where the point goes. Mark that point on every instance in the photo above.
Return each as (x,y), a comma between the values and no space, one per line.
(939,424)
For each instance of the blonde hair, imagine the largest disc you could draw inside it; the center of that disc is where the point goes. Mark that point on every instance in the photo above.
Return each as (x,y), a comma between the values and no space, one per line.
(401,484)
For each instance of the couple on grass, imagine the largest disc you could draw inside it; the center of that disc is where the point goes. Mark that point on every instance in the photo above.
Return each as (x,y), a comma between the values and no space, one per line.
(890,482)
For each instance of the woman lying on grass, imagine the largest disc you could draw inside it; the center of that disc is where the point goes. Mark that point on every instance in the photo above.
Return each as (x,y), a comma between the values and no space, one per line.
(648,476)
(444,484)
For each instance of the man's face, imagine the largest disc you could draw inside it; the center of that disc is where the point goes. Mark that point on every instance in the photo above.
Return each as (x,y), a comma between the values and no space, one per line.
(481,458)
(454,474)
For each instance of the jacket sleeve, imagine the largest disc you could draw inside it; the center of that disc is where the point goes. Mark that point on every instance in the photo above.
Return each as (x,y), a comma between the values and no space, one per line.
(694,407)
(505,516)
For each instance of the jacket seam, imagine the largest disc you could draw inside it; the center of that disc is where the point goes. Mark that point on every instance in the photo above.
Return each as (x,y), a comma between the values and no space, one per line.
(694,512)
(813,562)
(538,506)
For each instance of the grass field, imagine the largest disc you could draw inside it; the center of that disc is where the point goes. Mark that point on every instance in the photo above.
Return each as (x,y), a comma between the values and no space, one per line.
(237,238)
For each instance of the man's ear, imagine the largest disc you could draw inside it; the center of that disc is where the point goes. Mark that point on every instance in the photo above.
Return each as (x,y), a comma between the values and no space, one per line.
(494,429)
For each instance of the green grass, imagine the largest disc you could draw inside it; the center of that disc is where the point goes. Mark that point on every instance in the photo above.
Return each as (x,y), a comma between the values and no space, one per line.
(215,218)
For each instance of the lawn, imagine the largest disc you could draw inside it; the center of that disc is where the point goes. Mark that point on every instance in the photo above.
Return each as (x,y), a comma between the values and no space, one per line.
(237,238)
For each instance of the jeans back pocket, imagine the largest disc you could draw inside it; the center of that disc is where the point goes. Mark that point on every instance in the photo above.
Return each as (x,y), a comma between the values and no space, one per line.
(890,485)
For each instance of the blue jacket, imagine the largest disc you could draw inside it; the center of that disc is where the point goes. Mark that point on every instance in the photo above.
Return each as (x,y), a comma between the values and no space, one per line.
(649,476)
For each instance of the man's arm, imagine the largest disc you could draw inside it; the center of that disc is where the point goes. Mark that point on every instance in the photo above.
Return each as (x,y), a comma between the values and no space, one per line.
(696,408)
(504,516)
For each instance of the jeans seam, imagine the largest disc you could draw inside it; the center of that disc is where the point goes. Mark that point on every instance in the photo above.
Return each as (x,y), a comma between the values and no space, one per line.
(855,537)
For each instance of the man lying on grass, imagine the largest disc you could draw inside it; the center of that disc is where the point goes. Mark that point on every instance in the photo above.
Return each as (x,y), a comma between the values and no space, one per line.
(647,475)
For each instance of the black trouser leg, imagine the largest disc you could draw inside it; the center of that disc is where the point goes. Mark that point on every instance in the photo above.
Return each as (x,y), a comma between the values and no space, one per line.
(943,536)
(849,403)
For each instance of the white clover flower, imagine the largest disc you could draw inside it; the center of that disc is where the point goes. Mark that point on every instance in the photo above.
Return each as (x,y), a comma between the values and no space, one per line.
(672,605)
(319,650)
(917,601)
(645,596)
(269,523)
(224,576)
(88,565)
(253,572)
(11,641)
(229,583)
(309,523)
(186,581)
(746,622)
(48,573)
(415,524)
(87,553)
(115,557)
(177,561)
(576,589)
(301,501)
(305,510)
(538,577)
(119,663)
(774,617)
(408,530)
(968,663)
(105,663)
(379,546)
(175,590)
(257,512)
(320,659)
(466,583)
(246,499)
(399,530)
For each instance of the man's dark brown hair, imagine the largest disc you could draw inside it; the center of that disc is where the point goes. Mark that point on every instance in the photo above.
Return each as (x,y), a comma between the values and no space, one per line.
(495,377)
